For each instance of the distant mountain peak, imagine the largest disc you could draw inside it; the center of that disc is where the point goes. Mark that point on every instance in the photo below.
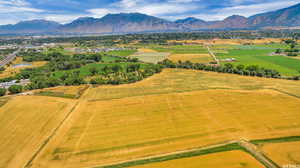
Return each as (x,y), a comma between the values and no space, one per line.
(189,20)
(284,17)
(139,22)
(233,17)
(29,26)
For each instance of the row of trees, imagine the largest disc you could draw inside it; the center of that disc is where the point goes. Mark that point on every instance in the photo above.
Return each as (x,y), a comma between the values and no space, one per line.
(292,51)
(14,89)
(114,74)
(162,38)
(251,70)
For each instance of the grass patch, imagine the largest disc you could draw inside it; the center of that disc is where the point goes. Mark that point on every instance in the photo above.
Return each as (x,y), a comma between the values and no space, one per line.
(154,57)
(107,59)
(122,53)
(3,101)
(276,140)
(259,55)
(56,94)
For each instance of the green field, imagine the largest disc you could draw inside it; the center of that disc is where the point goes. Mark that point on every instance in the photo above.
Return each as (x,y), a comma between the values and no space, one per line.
(260,55)
(122,53)
(106,58)
(151,57)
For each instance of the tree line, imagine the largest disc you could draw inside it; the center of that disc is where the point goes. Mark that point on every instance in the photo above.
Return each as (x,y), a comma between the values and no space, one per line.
(250,70)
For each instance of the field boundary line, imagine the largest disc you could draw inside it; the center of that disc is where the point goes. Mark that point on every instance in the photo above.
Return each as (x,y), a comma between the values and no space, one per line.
(54,132)
(242,145)
(284,92)
(189,91)
(28,164)
(163,93)
(213,55)
(253,150)
(158,157)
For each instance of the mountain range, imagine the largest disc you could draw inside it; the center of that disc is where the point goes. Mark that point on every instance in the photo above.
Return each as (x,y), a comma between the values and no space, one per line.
(137,22)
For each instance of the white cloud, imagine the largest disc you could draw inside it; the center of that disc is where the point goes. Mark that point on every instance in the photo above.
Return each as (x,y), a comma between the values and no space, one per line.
(244,10)
(16,6)
(67,18)
(165,9)
(157,9)
(183,1)
(248,10)
(99,12)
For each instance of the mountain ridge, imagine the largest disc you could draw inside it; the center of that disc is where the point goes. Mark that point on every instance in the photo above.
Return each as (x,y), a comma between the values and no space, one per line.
(138,22)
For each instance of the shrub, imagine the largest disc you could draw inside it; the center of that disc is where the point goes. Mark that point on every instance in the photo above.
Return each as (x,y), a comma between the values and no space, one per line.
(15,89)
(2,91)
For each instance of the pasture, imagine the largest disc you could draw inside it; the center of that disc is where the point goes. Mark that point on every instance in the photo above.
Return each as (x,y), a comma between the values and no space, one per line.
(118,123)
(150,57)
(26,123)
(260,55)
(122,53)
(236,159)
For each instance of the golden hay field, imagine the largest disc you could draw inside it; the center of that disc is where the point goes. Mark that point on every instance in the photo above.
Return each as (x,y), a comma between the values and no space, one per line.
(141,123)
(146,50)
(283,153)
(10,71)
(179,80)
(74,91)
(195,58)
(174,110)
(26,122)
(232,159)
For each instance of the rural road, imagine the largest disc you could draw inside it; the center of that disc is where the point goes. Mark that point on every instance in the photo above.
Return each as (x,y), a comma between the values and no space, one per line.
(251,148)
(9,58)
(171,153)
(213,55)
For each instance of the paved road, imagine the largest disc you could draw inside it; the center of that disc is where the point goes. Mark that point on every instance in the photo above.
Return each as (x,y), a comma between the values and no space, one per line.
(9,58)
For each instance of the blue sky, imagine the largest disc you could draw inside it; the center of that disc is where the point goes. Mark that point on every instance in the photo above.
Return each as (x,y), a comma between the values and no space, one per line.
(64,11)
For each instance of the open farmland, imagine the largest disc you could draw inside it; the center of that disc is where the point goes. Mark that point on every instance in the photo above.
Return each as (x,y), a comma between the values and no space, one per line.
(151,57)
(62,91)
(193,53)
(178,80)
(118,123)
(26,123)
(122,53)
(260,55)
(236,159)
(284,153)
(230,41)
(10,70)
(194,58)
(182,49)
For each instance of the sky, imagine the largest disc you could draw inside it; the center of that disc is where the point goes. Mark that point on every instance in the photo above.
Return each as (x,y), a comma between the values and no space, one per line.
(64,11)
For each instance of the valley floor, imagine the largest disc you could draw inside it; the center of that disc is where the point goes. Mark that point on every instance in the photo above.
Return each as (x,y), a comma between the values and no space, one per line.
(174,118)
